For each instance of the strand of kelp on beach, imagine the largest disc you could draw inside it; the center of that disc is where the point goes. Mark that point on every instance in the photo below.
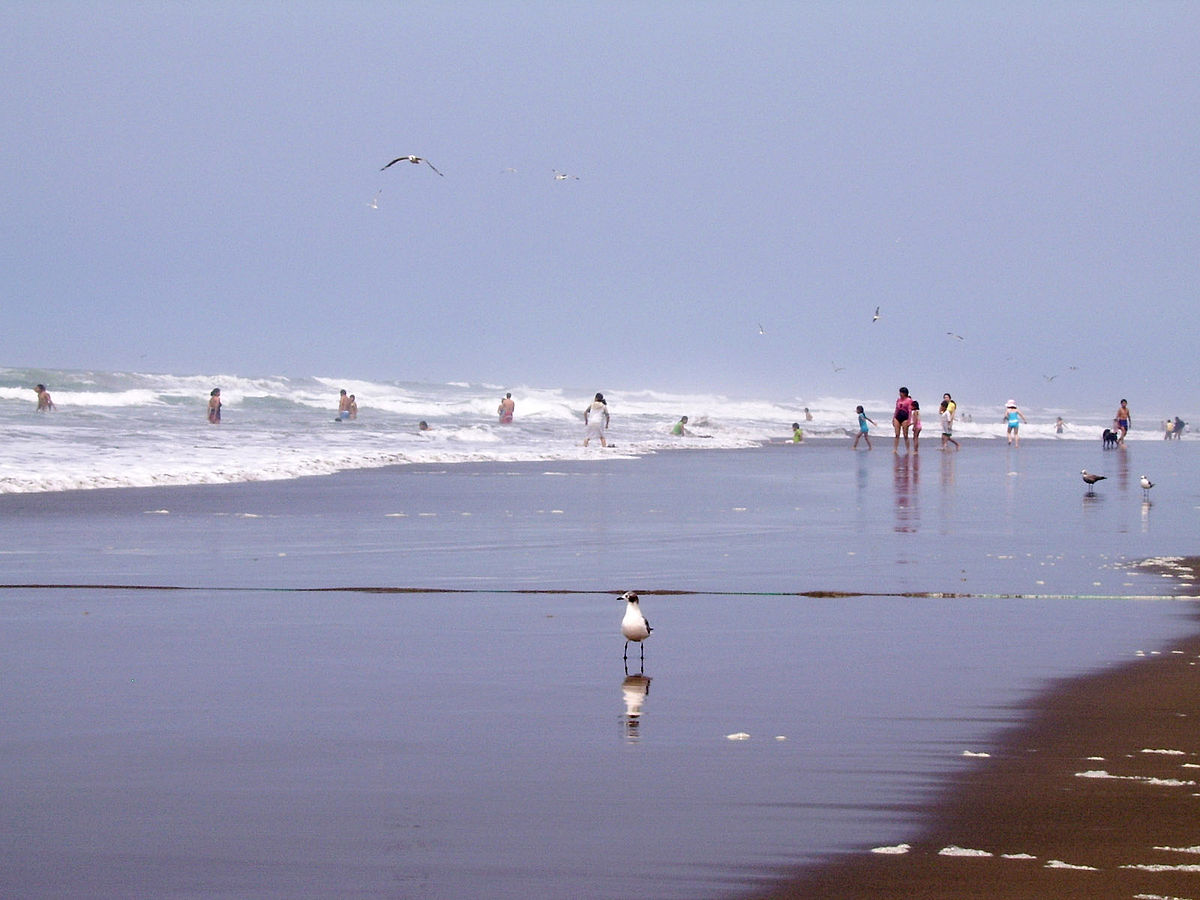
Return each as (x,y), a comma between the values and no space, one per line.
(113,429)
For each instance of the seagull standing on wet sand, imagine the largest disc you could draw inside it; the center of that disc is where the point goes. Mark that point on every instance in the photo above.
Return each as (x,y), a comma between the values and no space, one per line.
(415,160)
(1089,479)
(634,626)
(1146,485)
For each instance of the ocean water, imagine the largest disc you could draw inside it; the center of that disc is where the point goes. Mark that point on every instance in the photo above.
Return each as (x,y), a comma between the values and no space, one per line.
(114,429)
(405,679)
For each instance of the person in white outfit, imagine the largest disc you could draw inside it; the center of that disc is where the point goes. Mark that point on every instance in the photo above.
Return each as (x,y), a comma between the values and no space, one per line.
(595,420)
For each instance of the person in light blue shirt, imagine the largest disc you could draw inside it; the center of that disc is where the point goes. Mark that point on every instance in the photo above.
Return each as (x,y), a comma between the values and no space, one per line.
(1013,418)
(863,429)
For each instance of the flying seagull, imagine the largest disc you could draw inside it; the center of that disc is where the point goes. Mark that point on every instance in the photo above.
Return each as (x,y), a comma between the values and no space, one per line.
(760,328)
(415,160)
(563,176)
(957,337)
(837,368)
(1146,485)
(875,318)
(374,204)
(1089,479)
(634,626)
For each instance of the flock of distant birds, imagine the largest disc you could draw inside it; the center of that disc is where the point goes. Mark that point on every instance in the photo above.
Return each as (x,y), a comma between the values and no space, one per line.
(950,334)
(563,176)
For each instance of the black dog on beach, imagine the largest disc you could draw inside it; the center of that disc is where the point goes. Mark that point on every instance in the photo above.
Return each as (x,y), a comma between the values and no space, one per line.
(1109,438)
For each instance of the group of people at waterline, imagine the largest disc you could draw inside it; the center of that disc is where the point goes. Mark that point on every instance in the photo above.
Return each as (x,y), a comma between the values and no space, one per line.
(906,422)
(906,419)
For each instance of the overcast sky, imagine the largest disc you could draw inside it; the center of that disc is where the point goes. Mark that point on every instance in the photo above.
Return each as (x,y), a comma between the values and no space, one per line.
(187,188)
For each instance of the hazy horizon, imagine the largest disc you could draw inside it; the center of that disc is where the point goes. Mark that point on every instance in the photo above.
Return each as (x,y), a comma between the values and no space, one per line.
(190,190)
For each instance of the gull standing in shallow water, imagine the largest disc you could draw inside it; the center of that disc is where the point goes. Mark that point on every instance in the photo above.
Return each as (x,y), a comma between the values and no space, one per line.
(634,626)
(1089,479)
(1146,485)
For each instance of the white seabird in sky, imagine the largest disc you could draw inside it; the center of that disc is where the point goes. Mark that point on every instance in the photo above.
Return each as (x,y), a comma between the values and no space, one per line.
(634,626)
(875,318)
(415,160)
(563,176)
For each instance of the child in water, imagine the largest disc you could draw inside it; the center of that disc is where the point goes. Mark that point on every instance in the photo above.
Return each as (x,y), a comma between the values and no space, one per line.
(862,428)
(947,425)
(914,416)
(797,433)
(1013,417)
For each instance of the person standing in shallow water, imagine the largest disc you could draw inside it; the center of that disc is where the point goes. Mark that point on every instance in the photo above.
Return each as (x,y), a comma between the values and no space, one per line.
(900,418)
(863,430)
(214,407)
(947,418)
(1123,419)
(505,410)
(44,403)
(1013,418)
(595,420)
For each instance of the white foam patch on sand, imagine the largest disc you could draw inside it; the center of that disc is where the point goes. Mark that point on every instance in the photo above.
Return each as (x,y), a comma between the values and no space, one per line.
(898,850)
(1059,864)
(1179,849)
(1157,868)
(1017,856)
(1167,752)
(737,736)
(953,850)
(1161,782)
(971,754)
(1156,897)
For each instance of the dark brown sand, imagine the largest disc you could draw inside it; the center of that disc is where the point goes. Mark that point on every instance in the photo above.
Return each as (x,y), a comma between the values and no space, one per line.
(1050,831)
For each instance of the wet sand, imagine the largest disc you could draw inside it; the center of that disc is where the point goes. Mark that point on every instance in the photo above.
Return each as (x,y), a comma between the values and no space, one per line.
(343,694)
(1097,796)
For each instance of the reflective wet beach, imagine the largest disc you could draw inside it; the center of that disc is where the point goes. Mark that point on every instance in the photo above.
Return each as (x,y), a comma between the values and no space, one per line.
(249,736)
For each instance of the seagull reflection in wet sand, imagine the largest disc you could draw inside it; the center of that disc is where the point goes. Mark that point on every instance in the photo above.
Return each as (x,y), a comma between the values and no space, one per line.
(634,690)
